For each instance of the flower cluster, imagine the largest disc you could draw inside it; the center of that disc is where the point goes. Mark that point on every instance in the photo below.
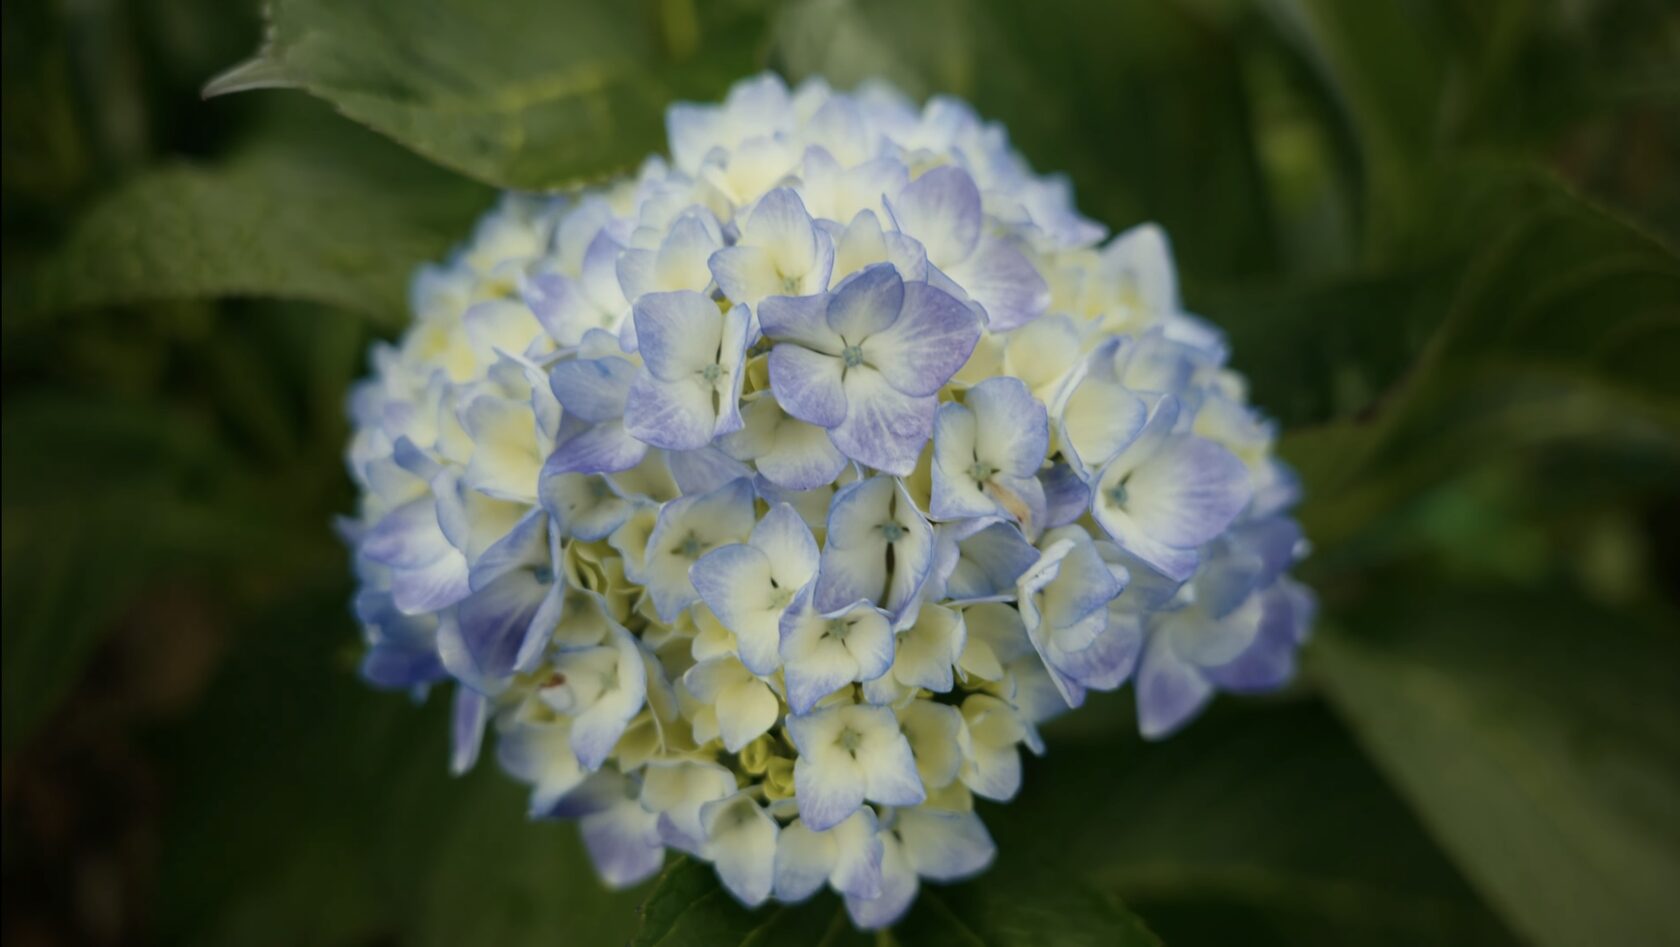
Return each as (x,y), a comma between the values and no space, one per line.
(765,504)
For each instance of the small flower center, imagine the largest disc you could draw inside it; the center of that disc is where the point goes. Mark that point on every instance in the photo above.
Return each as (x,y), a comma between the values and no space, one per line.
(1117,494)
(740,815)
(892,531)
(836,629)
(790,285)
(849,740)
(598,489)
(852,355)
(712,373)
(543,574)
(689,548)
(981,471)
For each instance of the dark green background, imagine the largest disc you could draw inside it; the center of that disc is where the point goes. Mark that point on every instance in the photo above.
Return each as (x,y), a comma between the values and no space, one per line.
(1441,234)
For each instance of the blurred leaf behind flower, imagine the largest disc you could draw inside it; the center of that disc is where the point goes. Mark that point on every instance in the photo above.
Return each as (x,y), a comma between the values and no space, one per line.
(1442,239)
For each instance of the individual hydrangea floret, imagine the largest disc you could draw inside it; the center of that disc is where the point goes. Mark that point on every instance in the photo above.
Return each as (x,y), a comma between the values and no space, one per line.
(763,505)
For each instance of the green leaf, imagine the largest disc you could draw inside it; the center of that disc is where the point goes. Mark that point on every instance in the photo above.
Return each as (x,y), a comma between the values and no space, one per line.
(306,808)
(688,906)
(1562,329)
(1017,905)
(1167,139)
(1258,824)
(1382,61)
(313,210)
(1538,739)
(1008,906)
(1325,350)
(101,494)
(530,94)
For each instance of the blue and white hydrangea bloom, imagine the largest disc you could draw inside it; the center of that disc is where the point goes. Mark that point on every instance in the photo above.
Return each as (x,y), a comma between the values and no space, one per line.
(765,504)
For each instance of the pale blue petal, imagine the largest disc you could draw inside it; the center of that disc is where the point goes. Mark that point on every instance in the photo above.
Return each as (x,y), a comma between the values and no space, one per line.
(779,219)
(430,587)
(623,843)
(866,303)
(498,622)
(808,682)
(995,773)
(1273,542)
(1269,663)
(1051,654)
(603,448)
(636,269)
(989,562)
(854,566)
(1013,428)
(1005,283)
(803,458)
(1206,641)
(883,427)
(788,544)
(599,792)
(675,415)
(408,537)
(600,272)
(583,506)
(1083,584)
(813,665)
(1172,562)
(932,338)
(826,796)
(956,493)
(593,389)
(871,642)
(1188,492)
(1098,421)
(411,458)
(804,859)
(942,210)
(704,469)
(399,663)
(889,769)
(857,862)
(897,891)
(733,581)
(744,273)
(807,384)
(560,306)
(945,846)
(466,728)
(713,519)
(596,731)
(676,333)
(1066,497)
(727,394)
(1022,498)
(743,853)
(1170,690)
(1111,656)
(802,320)
(536,753)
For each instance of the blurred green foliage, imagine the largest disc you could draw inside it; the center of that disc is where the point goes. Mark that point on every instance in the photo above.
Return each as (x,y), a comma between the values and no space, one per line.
(1441,235)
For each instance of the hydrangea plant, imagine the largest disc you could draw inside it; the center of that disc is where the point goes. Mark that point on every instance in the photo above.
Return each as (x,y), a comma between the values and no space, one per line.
(764,504)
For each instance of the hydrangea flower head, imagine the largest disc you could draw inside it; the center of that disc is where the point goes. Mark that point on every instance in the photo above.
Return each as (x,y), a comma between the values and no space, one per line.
(763,505)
